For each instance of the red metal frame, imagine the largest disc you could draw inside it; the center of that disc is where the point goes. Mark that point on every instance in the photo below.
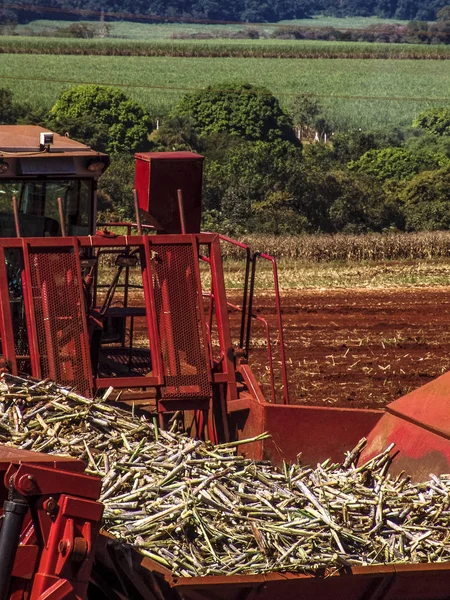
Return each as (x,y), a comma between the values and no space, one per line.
(218,287)
(195,249)
(56,551)
(42,244)
(283,366)
(221,374)
(246,316)
(245,287)
(167,290)
(269,345)
(6,327)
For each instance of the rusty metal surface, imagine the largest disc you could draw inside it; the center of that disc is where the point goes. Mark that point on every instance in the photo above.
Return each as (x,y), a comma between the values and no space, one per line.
(419,426)
(318,433)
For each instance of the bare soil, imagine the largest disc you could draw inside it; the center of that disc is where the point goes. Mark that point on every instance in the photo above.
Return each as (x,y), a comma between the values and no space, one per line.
(355,347)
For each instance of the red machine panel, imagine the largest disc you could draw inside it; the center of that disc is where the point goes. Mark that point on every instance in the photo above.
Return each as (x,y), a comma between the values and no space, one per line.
(180,317)
(57,316)
(159,176)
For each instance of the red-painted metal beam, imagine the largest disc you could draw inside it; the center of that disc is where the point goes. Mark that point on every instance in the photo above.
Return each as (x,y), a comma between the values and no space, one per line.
(6,325)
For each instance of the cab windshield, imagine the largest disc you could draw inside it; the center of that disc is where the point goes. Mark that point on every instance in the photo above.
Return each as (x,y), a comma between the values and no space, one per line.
(38,207)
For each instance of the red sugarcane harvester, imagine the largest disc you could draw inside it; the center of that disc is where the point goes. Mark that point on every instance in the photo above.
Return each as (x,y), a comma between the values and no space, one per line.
(139,312)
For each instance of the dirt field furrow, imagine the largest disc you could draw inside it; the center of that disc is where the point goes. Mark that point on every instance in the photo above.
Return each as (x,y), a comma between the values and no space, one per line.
(359,348)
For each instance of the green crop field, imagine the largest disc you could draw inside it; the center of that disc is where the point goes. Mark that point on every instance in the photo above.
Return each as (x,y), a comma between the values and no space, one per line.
(342,22)
(355,93)
(145,31)
(131,30)
(220,48)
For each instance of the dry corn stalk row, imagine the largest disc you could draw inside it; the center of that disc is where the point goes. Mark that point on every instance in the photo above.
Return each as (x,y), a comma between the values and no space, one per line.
(347,247)
(201,509)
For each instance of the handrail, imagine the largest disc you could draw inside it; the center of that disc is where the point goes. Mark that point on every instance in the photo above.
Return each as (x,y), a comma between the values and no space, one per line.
(271,259)
(269,343)
(269,346)
(245,314)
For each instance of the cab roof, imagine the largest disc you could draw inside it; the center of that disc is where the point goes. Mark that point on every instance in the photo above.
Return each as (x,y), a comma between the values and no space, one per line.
(18,139)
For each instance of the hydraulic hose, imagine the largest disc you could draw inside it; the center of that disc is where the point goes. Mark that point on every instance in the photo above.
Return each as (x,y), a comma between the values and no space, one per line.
(14,512)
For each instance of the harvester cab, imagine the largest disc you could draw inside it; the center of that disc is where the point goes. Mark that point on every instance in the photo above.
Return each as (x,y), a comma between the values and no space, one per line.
(47,183)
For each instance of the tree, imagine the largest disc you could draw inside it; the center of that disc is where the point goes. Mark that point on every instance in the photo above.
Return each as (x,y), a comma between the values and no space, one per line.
(307,116)
(250,10)
(406,10)
(352,144)
(434,120)
(424,141)
(444,13)
(250,174)
(8,21)
(426,201)
(9,111)
(101,109)
(360,205)
(276,214)
(115,190)
(258,11)
(175,134)
(85,129)
(243,110)
(397,163)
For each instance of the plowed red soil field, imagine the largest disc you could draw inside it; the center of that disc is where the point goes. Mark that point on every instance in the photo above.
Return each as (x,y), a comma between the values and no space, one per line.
(358,348)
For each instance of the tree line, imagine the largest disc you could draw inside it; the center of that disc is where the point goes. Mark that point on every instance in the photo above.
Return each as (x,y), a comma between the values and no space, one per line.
(266,169)
(254,11)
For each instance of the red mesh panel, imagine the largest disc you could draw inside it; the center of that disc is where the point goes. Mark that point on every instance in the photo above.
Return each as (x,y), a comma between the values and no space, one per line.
(179,316)
(60,321)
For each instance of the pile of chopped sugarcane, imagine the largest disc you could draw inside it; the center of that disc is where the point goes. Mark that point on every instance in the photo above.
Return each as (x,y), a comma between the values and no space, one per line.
(201,509)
